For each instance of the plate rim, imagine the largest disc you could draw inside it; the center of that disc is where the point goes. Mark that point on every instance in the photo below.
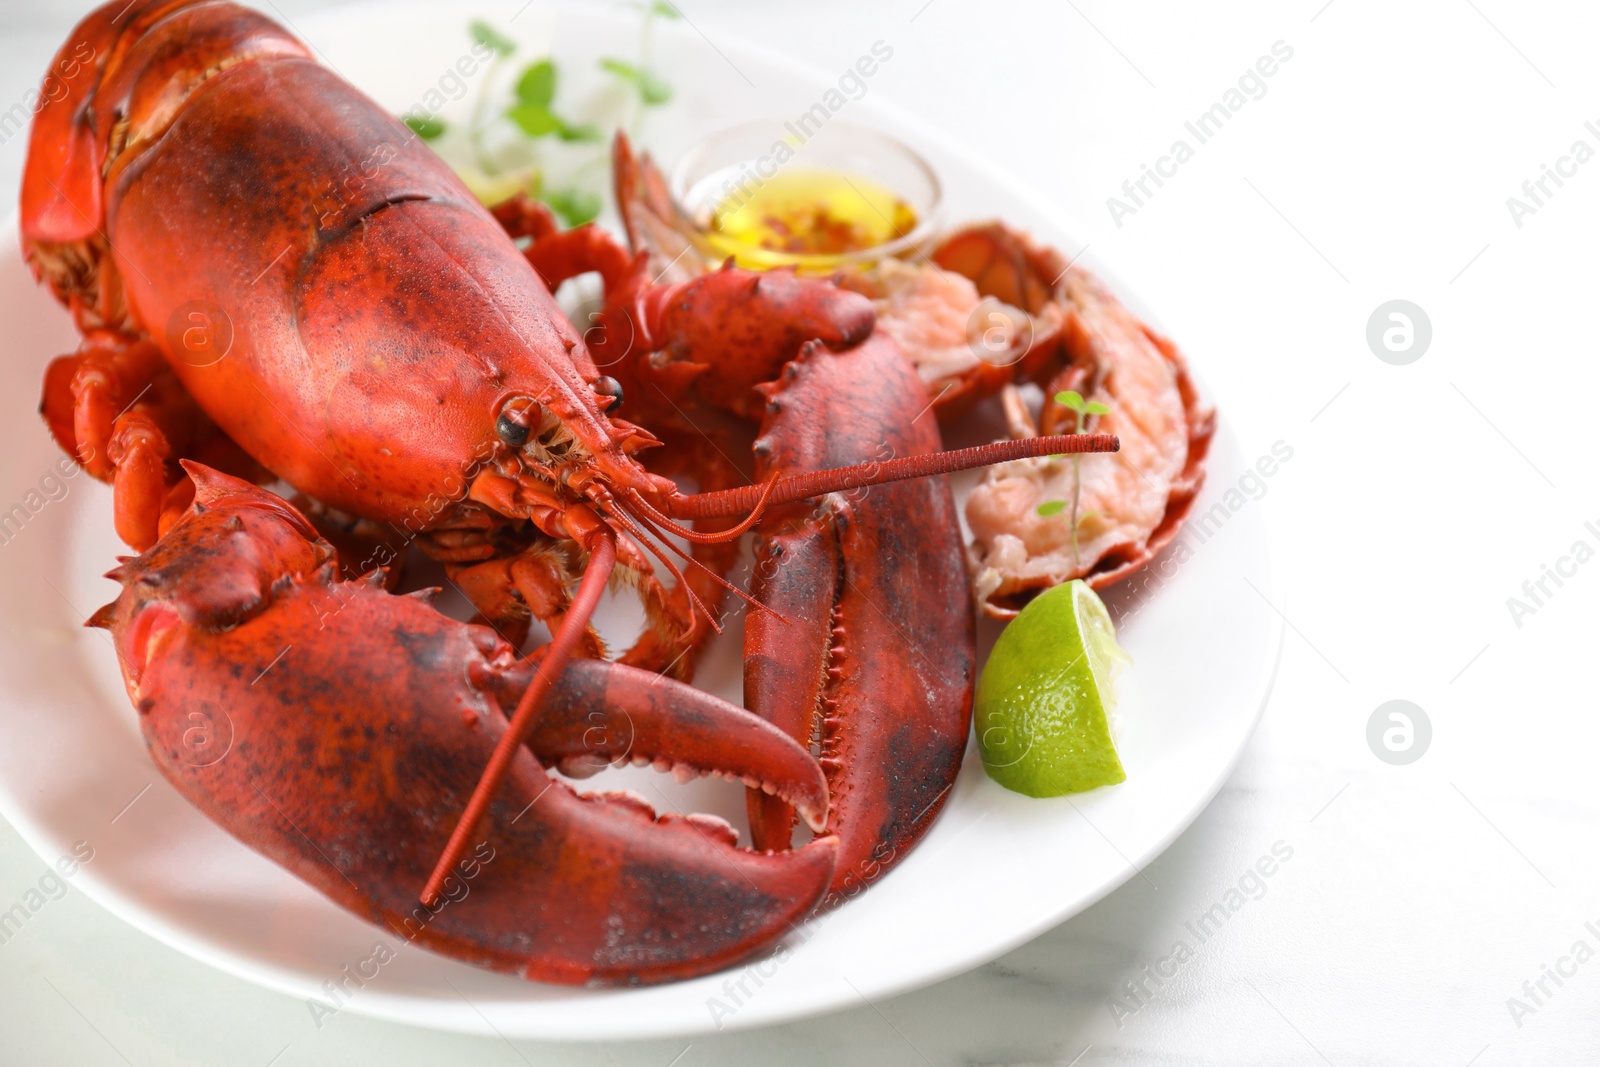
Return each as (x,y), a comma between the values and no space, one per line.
(401,1008)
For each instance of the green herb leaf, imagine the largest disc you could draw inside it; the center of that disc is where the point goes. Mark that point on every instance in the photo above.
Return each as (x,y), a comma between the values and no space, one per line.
(535,120)
(1052,507)
(425,128)
(652,90)
(537,86)
(575,206)
(585,132)
(487,35)
(664,9)
(1094,407)
(1071,399)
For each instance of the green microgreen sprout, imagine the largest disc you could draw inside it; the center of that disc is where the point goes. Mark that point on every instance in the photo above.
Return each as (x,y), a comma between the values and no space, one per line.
(535,116)
(532,109)
(651,89)
(491,38)
(534,113)
(575,206)
(502,47)
(426,128)
(1081,410)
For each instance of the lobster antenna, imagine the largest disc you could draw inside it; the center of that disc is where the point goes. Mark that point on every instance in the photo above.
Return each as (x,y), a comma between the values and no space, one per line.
(602,557)
(789,487)
(647,511)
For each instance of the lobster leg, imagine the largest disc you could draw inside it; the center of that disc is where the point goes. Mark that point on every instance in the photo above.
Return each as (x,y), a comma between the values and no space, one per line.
(353,784)
(523,216)
(116,406)
(510,591)
(560,256)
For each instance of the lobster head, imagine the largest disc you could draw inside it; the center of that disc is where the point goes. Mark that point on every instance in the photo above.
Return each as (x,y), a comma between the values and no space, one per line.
(467,362)
(719,336)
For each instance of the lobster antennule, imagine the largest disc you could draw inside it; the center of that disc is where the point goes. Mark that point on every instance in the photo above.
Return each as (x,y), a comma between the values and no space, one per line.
(637,525)
(790,487)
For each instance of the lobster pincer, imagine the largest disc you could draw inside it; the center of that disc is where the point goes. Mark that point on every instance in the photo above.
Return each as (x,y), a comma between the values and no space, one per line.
(351,755)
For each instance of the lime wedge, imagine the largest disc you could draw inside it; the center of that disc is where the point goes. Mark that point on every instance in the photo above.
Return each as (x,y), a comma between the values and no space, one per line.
(1045,700)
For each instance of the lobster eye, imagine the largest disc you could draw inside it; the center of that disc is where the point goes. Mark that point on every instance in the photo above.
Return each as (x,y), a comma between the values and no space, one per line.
(517,420)
(610,387)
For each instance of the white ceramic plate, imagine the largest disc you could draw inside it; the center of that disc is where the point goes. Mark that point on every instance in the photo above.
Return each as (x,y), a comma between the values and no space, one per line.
(996,870)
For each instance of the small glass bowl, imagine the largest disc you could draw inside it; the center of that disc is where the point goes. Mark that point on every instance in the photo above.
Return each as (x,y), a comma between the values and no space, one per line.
(738,159)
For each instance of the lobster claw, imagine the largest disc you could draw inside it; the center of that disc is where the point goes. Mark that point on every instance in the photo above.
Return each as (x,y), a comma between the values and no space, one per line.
(602,714)
(748,324)
(876,665)
(348,757)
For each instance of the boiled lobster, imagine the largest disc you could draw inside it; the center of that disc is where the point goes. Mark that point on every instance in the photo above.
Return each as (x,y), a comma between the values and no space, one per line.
(277,280)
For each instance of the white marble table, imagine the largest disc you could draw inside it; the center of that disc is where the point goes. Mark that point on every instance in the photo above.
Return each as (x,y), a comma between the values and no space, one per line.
(1376,165)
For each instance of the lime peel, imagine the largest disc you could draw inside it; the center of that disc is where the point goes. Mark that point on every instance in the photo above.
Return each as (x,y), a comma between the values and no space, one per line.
(1046,701)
